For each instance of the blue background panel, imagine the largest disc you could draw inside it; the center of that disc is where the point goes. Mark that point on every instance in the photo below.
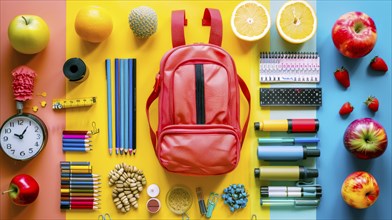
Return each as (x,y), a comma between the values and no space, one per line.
(336,163)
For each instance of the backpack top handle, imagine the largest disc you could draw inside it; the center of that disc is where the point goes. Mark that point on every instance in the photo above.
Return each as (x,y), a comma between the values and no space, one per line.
(211,17)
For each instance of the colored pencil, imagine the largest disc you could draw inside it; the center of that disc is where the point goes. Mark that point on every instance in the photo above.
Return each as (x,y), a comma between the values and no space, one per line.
(76,171)
(91,199)
(80,194)
(130,105)
(76,167)
(122,109)
(126,107)
(77,149)
(79,179)
(69,207)
(79,191)
(76,132)
(76,145)
(86,183)
(76,163)
(117,105)
(78,203)
(109,103)
(75,141)
(134,100)
(67,186)
(78,175)
(75,136)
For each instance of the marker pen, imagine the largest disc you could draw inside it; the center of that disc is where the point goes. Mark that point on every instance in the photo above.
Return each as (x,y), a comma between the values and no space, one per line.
(290,202)
(291,191)
(289,125)
(293,140)
(286,153)
(285,173)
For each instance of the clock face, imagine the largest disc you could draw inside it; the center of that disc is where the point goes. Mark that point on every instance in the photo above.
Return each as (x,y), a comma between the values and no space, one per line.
(23,136)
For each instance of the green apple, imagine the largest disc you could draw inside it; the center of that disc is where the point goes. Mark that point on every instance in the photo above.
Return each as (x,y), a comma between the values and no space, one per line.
(28,34)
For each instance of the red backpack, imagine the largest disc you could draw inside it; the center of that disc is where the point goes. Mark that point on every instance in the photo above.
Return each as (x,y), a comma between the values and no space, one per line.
(198,87)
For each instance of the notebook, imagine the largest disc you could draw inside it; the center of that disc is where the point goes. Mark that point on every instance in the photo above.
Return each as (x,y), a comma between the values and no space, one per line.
(291,97)
(300,67)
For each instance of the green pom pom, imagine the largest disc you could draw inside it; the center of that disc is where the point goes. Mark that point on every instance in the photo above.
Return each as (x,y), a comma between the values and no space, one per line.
(143,21)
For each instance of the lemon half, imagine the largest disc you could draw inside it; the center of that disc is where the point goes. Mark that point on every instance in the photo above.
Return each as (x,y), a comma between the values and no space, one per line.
(296,22)
(250,21)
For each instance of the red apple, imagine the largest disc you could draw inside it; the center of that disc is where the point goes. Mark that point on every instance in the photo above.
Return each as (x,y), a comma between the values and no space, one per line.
(23,189)
(360,190)
(354,34)
(365,138)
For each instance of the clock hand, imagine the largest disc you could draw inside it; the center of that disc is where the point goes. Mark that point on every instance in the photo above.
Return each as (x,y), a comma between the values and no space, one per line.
(20,136)
(24,131)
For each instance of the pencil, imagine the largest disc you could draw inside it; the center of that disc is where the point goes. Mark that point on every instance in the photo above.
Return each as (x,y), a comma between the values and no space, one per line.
(117,105)
(65,140)
(79,191)
(79,175)
(76,132)
(78,203)
(69,207)
(122,109)
(79,194)
(81,171)
(86,199)
(109,103)
(77,145)
(75,163)
(75,136)
(75,167)
(77,149)
(126,107)
(80,179)
(85,183)
(131,106)
(68,186)
(134,101)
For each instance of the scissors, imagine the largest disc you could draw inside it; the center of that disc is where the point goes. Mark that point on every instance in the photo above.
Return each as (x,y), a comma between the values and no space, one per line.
(105,216)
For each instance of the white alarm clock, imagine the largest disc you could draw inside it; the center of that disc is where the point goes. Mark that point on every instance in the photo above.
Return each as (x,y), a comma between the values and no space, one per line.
(23,136)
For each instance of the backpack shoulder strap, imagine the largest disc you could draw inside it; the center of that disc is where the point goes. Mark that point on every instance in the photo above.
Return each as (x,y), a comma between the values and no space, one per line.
(211,17)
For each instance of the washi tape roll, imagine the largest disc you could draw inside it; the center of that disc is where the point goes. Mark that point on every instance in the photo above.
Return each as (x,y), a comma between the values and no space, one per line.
(75,70)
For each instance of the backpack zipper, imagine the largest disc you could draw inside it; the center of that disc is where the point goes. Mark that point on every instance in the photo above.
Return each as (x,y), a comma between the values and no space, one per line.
(200,105)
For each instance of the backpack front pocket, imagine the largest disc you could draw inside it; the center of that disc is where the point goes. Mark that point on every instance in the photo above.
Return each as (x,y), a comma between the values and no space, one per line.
(199,149)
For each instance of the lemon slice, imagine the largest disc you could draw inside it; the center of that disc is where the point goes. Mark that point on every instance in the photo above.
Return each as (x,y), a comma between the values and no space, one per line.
(296,22)
(250,21)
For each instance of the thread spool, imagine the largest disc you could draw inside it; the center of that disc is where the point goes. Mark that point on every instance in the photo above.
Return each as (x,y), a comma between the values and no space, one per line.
(153,205)
(75,70)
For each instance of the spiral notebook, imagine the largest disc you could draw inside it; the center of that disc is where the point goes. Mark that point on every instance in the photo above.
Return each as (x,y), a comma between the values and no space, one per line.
(299,67)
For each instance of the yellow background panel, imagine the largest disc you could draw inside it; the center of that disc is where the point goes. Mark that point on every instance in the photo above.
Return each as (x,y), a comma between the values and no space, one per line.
(123,44)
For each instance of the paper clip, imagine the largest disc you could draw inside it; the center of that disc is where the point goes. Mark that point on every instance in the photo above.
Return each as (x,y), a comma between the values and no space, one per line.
(95,130)
(105,216)
(212,200)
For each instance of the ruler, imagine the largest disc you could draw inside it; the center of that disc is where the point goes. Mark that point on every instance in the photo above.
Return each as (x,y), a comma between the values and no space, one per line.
(73,103)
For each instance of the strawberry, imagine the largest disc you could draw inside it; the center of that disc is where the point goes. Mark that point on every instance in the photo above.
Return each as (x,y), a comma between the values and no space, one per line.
(342,76)
(377,63)
(346,108)
(372,103)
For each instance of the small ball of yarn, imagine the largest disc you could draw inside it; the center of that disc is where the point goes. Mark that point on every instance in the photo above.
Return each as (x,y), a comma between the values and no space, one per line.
(143,21)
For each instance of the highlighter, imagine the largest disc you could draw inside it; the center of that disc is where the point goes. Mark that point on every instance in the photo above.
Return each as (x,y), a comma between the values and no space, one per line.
(289,125)
(286,153)
(285,173)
